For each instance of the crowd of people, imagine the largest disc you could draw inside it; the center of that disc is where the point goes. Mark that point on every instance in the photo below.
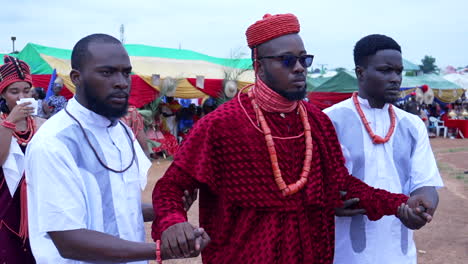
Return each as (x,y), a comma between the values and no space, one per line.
(440,111)
(48,106)
(279,180)
(160,132)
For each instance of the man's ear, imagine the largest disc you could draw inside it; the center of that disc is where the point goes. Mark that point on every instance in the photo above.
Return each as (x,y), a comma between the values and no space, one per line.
(260,69)
(75,77)
(359,70)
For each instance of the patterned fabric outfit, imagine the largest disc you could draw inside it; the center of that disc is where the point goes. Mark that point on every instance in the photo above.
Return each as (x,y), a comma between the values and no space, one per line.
(241,207)
(57,102)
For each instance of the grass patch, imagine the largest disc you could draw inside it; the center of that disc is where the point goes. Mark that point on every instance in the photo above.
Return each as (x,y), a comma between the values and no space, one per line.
(452,171)
(444,167)
(453,150)
(450,150)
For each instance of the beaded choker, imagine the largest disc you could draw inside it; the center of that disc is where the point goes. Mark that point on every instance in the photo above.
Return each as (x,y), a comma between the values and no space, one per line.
(270,101)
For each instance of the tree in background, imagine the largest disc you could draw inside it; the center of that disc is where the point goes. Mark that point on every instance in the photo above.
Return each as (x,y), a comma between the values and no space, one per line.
(428,65)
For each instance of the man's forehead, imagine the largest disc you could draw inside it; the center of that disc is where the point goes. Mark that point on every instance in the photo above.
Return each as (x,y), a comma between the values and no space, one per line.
(388,56)
(284,44)
(103,52)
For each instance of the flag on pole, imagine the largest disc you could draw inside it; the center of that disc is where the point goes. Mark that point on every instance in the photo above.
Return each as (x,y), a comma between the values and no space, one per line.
(50,89)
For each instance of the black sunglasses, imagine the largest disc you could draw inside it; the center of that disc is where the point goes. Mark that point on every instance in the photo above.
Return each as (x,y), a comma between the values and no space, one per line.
(289,61)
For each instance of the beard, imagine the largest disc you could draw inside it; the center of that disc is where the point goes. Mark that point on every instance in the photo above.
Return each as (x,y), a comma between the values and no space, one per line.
(289,95)
(391,99)
(292,96)
(100,106)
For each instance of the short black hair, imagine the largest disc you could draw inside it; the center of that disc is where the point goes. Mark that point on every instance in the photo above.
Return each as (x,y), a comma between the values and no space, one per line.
(40,93)
(80,51)
(369,45)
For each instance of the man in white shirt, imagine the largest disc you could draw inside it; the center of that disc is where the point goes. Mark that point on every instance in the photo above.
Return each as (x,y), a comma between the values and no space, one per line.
(387,148)
(85,173)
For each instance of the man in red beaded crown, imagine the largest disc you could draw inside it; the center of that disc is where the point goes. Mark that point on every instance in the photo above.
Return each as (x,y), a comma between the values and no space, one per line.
(268,165)
(397,157)
(17,126)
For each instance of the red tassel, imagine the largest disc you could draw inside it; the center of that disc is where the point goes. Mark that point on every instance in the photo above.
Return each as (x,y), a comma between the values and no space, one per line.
(23,231)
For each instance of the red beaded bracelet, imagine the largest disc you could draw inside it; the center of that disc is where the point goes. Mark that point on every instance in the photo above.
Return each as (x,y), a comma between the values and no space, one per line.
(9,125)
(158,252)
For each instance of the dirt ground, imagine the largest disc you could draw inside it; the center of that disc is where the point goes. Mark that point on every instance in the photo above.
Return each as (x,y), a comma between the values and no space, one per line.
(443,241)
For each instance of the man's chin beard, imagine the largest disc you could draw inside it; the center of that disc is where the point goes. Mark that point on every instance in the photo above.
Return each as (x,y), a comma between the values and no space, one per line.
(102,108)
(391,99)
(293,96)
(109,112)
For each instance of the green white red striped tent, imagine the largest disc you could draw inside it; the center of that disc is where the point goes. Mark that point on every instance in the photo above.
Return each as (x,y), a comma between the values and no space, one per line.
(183,65)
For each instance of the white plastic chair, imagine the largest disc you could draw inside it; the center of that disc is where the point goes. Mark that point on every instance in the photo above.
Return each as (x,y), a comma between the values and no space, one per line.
(439,125)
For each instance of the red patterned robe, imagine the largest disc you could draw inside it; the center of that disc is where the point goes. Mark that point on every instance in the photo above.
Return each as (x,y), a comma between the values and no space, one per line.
(241,207)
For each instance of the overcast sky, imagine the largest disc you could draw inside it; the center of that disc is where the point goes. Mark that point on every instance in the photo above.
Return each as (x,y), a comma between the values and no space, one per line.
(329,28)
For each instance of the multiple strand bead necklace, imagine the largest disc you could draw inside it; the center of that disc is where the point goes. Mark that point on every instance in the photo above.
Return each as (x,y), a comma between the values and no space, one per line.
(30,128)
(263,127)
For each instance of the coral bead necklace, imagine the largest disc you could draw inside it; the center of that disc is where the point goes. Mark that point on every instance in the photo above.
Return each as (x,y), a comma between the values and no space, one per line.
(298,185)
(30,127)
(375,138)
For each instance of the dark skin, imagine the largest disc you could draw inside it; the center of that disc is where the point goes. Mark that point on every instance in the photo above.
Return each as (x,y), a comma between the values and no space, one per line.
(276,76)
(107,70)
(379,82)
(380,78)
(273,73)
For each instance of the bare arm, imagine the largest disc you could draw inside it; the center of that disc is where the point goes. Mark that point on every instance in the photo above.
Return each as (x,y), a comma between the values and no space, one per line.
(89,245)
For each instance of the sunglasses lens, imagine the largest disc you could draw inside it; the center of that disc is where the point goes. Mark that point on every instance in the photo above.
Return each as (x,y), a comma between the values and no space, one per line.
(289,61)
(306,61)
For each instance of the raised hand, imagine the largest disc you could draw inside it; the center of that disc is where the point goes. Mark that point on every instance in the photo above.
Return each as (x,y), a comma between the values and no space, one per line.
(20,112)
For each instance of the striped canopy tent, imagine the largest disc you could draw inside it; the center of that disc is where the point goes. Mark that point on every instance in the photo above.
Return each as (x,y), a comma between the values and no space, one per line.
(332,90)
(409,66)
(444,90)
(458,78)
(341,86)
(183,65)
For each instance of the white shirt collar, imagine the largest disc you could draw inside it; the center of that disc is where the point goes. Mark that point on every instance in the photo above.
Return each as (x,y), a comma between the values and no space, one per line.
(87,116)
